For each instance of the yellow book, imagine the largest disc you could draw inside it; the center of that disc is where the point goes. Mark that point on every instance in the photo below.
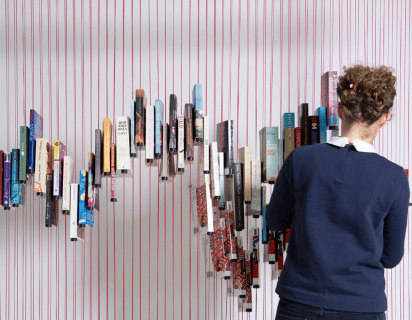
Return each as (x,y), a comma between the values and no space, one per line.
(107,140)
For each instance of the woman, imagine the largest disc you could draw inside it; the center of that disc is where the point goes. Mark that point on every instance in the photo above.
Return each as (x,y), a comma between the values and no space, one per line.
(348,208)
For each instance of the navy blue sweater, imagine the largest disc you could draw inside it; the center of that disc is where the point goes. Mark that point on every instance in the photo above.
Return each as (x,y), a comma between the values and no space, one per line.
(348,211)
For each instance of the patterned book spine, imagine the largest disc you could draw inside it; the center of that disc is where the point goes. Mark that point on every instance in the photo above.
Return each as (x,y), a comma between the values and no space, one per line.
(329,83)
(59,153)
(181,144)
(314,129)
(298,137)
(209,209)
(42,158)
(256,184)
(221,161)
(201,206)
(214,172)
(6,180)
(248,268)
(90,182)
(238,197)
(49,197)
(189,131)
(132,139)
(140,117)
(241,265)
(1,175)
(74,198)
(123,161)
(265,229)
(198,112)
(321,112)
(289,141)
(98,158)
(83,198)
(24,148)
(245,159)
(107,140)
(255,257)
(164,170)
(67,179)
(173,124)
(15,190)
(230,236)
(150,133)
(158,128)
(217,246)
(113,173)
(206,155)
(36,131)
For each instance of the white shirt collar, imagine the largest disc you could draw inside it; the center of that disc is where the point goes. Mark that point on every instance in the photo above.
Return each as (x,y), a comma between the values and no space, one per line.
(360,145)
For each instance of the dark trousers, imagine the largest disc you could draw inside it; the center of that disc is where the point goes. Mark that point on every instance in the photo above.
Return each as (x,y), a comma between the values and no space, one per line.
(291,310)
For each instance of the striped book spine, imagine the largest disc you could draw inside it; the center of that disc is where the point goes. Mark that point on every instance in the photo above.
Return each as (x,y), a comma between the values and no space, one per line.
(314,129)
(238,197)
(6,180)
(24,154)
(112,173)
(269,154)
(245,159)
(329,84)
(90,182)
(303,120)
(255,206)
(123,161)
(265,229)
(164,169)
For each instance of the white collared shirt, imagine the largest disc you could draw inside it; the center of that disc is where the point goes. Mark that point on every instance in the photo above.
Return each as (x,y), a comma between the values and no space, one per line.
(360,145)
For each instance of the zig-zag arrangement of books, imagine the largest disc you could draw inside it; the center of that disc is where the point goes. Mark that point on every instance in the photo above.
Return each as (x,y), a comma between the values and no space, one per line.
(231,190)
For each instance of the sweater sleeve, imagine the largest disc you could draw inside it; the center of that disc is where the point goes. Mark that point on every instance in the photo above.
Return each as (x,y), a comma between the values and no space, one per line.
(395,226)
(280,210)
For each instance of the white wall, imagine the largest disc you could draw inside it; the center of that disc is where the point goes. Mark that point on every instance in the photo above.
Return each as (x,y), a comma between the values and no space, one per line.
(151,219)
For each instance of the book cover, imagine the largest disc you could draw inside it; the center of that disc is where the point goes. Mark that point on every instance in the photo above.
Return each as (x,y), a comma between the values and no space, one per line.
(269,155)
(74,221)
(217,248)
(245,158)
(321,112)
(230,236)
(112,173)
(140,118)
(238,196)
(59,153)
(214,172)
(181,144)
(289,141)
(6,180)
(98,158)
(123,160)
(239,272)
(164,170)
(150,133)
(49,197)
(303,118)
(222,201)
(205,150)
(198,112)
(67,180)
(1,175)
(209,209)
(90,182)
(15,187)
(248,271)
(36,132)
(329,94)
(224,134)
(255,207)
(271,248)
(314,129)
(24,153)
(298,137)
(54,211)
(132,139)
(42,164)
(265,229)
(189,131)
(158,128)
(107,140)
(201,206)
(173,124)
(82,198)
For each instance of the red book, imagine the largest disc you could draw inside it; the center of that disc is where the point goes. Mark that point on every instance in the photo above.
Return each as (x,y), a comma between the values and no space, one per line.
(298,137)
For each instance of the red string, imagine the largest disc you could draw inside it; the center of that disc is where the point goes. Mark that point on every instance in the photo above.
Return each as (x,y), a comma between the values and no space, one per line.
(331,36)
(238,80)
(314,54)
(214,71)
(221,95)
(107,251)
(289,47)
(132,179)
(165,181)
(207,28)
(256,58)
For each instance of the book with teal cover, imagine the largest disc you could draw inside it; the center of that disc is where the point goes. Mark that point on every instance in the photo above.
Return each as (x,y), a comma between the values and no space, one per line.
(24,153)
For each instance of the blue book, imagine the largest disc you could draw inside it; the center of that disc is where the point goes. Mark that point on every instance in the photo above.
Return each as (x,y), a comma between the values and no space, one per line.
(82,198)
(158,128)
(265,230)
(133,152)
(15,190)
(36,131)
(6,180)
(321,112)
(198,112)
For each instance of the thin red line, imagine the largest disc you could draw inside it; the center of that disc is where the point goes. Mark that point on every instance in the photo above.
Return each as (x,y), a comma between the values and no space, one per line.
(256,58)
(165,233)
(221,80)
(214,70)
(238,80)
(207,28)
(230,59)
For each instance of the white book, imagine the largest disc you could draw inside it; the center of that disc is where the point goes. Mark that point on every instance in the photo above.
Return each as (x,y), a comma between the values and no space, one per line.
(150,132)
(74,196)
(123,160)
(67,179)
(42,159)
(164,170)
(180,143)
(206,156)
(221,160)
(256,184)
(210,228)
(214,162)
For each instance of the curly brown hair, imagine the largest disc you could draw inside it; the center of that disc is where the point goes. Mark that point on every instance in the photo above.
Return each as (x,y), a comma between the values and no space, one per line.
(366,93)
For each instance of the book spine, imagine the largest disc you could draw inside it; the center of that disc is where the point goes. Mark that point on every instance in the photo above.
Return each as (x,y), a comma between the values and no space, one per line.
(189,131)
(90,182)
(329,94)
(241,265)
(140,117)
(209,208)
(181,144)
(206,149)
(321,112)
(269,154)
(6,180)
(107,140)
(238,197)
(41,166)
(230,236)
(67,179)
(222,201)
(158,128)
(255,270)
(15,191)
(198,112)
(83,198)
(214,171)
(54,210)
(150,133)
(279,251)
(32,144)
(49,196)
(59,153)
(248,270)
(298,137)
(229,151)
(201,206)
(289,141)
(24,148)
(123,161)
(173,124)
(98,158)
(132,139)
(255,207)
(245,159)
(265,229)
(1,175)
(164,170)
(74,194)
(314,129)
(112,174)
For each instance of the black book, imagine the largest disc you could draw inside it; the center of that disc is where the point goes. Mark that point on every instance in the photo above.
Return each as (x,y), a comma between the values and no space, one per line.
(49,197)
(98,159)
(314,129)
(238,188)
(173,124)
(189,132)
